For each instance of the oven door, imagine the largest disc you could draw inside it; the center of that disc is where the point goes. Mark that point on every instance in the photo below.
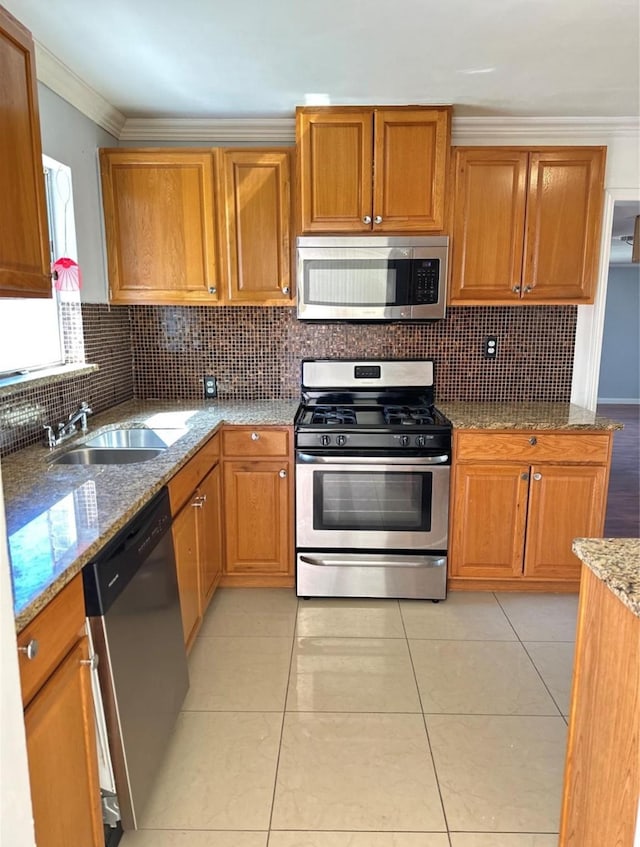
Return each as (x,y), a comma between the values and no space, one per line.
(373,504)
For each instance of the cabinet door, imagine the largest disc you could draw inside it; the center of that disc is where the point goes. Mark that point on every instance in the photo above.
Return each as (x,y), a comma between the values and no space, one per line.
(61,749)
(564,503)
(257,507)
(335,169)
(185,542)
(210,536)
(160,221)
(257,221)
(490,188)
(410,167)
(24,237)
(563,225)
(488,520)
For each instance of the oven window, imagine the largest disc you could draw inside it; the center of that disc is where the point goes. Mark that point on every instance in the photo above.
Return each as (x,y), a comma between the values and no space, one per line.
(372,500)
(364,282)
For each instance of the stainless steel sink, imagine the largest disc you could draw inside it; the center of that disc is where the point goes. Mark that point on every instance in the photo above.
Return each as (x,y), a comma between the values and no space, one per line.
(135,438)
(107,455)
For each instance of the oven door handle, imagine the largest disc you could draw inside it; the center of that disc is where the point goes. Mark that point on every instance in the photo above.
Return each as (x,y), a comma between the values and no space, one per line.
(324,459)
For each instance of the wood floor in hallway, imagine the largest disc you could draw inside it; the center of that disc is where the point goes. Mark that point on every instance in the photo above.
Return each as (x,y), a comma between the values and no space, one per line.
(623,504)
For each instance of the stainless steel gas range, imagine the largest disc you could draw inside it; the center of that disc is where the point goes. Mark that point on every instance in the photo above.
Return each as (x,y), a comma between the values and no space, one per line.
(373,460)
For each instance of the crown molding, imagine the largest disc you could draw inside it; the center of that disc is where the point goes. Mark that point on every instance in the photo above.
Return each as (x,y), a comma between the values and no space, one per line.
(56,75)
(59,78)
(211,130)
(524,128)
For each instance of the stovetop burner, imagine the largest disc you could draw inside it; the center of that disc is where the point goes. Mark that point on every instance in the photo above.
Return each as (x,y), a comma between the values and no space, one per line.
(333,415)
(408,415)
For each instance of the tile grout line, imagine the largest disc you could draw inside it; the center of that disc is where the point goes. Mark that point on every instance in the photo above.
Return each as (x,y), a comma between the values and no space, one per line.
(284,714)
(424,723)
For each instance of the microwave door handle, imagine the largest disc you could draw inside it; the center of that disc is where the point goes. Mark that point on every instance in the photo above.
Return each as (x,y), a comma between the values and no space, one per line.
(323,459)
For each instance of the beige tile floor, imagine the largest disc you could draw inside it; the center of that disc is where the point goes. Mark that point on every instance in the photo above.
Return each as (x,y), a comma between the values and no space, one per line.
(355,723)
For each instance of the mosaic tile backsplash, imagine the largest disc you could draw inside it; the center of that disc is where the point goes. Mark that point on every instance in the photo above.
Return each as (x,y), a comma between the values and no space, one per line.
(255,352)
(163,352)
(106,337)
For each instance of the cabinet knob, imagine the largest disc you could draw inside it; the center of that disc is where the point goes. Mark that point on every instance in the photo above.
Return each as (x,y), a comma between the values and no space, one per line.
(524,476)
(533,441)
(537,476)
(213,289)
(92,662)
(528,288)
(377,219)
(31,649)
(366,219)
(517,289)
(285,290)
(282,474)
(255,436)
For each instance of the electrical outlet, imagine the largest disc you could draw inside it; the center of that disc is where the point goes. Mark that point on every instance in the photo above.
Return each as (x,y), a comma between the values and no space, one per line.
(210,387)
(490,347)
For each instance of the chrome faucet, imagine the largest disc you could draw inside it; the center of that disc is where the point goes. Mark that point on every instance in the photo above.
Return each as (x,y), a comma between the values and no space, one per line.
(66,430)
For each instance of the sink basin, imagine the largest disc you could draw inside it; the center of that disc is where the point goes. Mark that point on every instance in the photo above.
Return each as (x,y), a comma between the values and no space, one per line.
(107,455)
(127,439)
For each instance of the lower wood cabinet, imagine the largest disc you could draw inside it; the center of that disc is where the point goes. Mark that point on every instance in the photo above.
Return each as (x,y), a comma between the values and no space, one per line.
(60,725)
(258,506)
(517,503)
(197,536)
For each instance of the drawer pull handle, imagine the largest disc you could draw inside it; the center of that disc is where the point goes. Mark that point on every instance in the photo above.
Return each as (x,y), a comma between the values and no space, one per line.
(91,662)
(197,503)
(537,476)
(533,441)
(255,436)
(282,474)
(31,649)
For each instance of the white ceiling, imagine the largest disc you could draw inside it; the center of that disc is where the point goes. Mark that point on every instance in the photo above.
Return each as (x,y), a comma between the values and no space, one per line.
(219,58)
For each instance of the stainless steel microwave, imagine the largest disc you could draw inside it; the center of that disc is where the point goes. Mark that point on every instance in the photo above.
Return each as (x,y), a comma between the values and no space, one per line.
(351,278)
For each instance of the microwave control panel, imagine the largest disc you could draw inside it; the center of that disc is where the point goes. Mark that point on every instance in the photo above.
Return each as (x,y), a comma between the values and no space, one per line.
(427,275)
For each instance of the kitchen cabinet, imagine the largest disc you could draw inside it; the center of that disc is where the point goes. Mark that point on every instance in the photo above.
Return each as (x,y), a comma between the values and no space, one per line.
(258,506)
(25,262)
(60,724)
(526,224)
(256,225)
(194,493)
(380,170)
(602,767)
(161,225)
(518,501)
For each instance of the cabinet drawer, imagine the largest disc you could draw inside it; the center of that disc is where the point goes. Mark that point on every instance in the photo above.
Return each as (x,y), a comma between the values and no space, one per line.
(257,441)
(532,446)
(56,629)
(184,483)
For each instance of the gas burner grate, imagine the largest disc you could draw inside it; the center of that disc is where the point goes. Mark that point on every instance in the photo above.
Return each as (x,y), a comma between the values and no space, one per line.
(408,415)
(333,415)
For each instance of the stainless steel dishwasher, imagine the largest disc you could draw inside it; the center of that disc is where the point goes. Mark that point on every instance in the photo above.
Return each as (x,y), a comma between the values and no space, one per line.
(133,608)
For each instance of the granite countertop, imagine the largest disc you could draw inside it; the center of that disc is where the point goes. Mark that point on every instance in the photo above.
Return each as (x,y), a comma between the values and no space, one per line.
(616,561)
(549,416)
(60,516)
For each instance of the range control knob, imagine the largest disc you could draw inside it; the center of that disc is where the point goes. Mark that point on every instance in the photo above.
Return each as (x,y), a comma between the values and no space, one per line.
(325,440)
(420,440)
(341,440)
(404,440)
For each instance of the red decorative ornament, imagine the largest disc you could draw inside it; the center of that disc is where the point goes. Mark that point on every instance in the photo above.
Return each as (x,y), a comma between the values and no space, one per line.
(66,275)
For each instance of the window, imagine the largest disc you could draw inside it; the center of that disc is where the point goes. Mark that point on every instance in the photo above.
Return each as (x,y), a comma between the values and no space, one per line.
(31,334)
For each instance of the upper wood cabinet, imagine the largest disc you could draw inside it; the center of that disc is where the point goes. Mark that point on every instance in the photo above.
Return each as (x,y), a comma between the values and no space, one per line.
(372,170)
(526,224)
(24,238)
(256,214)
(161,225)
